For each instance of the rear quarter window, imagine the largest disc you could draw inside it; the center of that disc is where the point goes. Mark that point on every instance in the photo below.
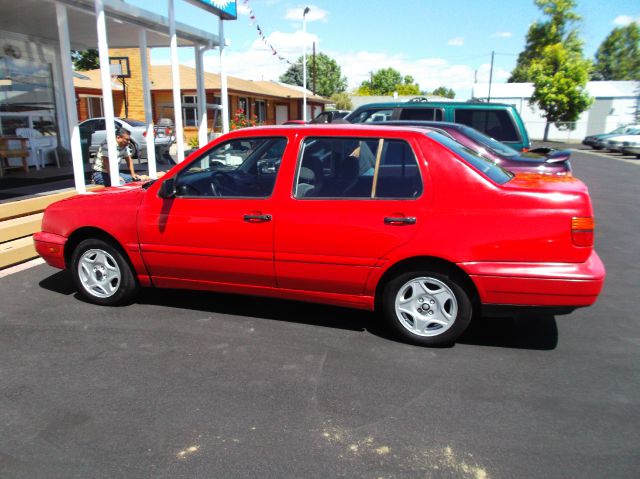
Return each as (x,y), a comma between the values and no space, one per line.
(486,167)
(424,114)
(498,124)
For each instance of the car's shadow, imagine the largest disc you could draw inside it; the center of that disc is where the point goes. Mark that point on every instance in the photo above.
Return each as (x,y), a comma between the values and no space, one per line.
(537,333)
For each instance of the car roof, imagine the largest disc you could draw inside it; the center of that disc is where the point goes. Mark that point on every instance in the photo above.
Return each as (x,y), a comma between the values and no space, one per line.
(427,104)
(326,128)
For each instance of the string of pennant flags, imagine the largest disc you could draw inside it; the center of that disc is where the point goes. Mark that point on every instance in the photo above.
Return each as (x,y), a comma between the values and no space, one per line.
(263,37)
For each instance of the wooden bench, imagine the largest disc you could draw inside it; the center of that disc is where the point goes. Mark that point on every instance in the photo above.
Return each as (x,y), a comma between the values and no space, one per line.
(13,147)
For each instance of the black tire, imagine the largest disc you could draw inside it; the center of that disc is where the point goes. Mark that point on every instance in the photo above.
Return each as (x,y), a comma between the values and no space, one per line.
(114,282)
(453,304)
(135,152)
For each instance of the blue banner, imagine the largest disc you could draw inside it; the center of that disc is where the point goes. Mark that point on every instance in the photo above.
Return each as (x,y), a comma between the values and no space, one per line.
(226,9)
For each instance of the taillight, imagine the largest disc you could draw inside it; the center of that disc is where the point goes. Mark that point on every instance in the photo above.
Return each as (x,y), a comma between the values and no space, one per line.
(167,131)
(582,230)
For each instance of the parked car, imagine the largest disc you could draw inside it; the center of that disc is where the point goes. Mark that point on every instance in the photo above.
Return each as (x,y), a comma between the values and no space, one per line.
(615,143)
(328,116)
(496,120)
(554,162)
(94,131)
(631,147)
(593,140)
(401,220)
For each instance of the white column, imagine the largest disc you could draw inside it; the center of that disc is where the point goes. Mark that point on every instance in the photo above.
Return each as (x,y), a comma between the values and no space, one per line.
(107,95)
(70,98)
(304,66)
(224,93)
(148,113)
(175,70)
(202,97)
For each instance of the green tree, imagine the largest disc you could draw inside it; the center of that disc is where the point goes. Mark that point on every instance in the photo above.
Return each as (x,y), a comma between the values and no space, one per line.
(329,79)
(555,29)
(386,81)
(342,101)
(559,77)
(445,92)
(618,57)
(84,60)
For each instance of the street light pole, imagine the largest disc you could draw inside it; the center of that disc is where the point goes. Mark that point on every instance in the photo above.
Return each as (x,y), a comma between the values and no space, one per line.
(304,63)
(490,77)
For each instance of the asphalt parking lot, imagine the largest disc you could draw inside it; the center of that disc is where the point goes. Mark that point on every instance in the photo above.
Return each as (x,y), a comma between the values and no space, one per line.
(192,385)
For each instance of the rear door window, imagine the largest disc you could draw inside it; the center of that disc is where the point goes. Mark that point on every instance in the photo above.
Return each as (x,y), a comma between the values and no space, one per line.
(424,114)
(357,168)
(497,124)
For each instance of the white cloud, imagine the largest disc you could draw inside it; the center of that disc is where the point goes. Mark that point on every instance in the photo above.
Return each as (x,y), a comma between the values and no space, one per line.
(243,10)
(315,14)
(502,34)
(429,73)
(456,42)
(622,20)
(259,63)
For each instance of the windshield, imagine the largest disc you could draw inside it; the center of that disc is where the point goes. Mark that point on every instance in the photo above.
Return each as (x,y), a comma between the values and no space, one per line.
(481,164)
(495,145)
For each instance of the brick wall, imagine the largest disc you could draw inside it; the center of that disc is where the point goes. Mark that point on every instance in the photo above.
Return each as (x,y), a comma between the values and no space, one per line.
(134,84)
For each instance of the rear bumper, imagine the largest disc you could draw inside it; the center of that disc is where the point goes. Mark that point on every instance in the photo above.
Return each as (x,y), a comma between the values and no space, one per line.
(51,248)
(538,284)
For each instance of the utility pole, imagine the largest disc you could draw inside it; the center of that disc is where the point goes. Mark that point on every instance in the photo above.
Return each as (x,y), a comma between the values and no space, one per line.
(490,77)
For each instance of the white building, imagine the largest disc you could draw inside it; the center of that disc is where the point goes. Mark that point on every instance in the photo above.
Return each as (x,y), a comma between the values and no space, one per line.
(615,103)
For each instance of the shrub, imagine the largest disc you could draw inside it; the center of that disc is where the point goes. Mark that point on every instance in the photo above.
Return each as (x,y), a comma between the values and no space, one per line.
(240,120)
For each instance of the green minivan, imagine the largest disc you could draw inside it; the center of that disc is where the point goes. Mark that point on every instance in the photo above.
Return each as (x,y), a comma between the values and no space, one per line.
(497,120)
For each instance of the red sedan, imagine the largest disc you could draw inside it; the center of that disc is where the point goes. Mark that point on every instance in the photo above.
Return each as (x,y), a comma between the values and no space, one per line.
(403,220)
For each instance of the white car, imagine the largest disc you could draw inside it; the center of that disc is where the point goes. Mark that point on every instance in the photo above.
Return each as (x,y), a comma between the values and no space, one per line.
(94,131)
(615,143)
(631,146)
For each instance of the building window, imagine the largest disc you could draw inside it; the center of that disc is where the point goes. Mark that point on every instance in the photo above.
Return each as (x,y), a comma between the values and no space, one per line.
(190,110)
(261,111)
(243,104)
(95,106)
(26,94)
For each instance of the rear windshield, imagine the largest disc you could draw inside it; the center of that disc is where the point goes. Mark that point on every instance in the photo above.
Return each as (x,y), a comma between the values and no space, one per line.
(497,124)
(371,116)
(486,167)
(493,144)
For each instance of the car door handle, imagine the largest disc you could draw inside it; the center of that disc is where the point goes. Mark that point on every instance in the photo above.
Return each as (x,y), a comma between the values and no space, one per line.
(257,218)
(398,221)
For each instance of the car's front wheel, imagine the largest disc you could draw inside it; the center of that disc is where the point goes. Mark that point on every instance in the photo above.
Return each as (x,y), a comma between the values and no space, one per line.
(427,308)
(102,273)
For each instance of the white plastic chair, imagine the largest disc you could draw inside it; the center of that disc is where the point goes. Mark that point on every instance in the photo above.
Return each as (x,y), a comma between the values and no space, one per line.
(41,145)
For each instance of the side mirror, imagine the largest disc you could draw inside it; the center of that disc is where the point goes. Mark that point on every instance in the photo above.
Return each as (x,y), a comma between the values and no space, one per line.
(167,188)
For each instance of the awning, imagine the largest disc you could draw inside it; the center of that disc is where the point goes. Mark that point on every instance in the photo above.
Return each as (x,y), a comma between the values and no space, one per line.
(38,18)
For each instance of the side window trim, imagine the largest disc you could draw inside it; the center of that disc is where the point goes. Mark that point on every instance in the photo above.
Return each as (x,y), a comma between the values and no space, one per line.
(375,178)
(205,156)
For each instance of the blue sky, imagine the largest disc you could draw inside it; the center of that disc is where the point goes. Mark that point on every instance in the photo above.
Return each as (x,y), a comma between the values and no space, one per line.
(438,43)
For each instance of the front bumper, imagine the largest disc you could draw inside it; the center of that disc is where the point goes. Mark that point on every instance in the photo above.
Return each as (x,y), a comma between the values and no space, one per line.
(51,247)
(631,150)
(538,284)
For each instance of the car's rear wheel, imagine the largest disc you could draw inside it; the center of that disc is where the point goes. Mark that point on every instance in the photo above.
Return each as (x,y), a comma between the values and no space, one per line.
(102,273)
(427,308)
